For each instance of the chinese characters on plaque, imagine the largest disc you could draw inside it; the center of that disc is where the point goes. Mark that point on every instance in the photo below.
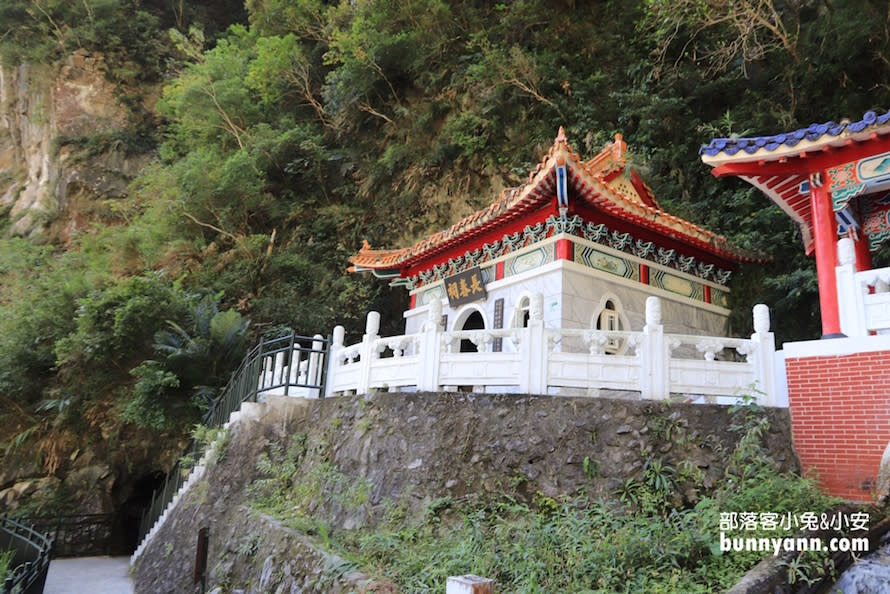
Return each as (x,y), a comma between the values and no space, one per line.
(465,287)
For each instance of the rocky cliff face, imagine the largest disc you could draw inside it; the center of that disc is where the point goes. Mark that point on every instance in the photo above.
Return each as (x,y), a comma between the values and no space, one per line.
(47,116)
(62,151)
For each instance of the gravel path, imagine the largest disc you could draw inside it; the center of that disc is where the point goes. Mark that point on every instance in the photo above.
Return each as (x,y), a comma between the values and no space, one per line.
(88,575)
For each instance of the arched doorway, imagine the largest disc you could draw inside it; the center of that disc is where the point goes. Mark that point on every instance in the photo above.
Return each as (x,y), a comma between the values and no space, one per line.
(473,322)
(139,493)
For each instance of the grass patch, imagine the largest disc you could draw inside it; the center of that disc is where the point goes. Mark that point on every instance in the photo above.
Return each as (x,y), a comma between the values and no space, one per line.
(573,545)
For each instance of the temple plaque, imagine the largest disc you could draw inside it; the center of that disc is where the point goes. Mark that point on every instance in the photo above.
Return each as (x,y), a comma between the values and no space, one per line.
(465,287)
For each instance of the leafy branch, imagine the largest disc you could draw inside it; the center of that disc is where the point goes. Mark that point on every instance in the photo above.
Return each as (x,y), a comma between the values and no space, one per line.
(753,29)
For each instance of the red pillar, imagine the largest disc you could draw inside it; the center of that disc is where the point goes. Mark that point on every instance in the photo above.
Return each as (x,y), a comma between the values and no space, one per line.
(564,249)
(825,239)
(863,255)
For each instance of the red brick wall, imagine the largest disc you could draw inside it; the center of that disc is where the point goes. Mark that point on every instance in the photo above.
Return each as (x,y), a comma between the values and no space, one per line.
(840,419)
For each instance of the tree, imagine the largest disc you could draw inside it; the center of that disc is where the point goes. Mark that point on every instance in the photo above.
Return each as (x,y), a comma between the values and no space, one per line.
(719,34)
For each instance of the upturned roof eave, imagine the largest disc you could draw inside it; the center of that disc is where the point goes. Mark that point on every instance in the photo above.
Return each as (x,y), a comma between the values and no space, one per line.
(800,143)
(535,193)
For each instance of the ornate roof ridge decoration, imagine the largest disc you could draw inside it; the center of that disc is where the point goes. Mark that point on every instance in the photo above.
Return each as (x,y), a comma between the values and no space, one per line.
(591,185)
(811,138)
(596,233)
(612,159)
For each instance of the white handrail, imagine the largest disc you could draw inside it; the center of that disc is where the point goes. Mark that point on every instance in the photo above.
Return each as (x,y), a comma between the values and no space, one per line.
(863,297)
(535,359)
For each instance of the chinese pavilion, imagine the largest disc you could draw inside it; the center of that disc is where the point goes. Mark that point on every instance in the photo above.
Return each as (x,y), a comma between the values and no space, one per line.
(833,179)
(587,234)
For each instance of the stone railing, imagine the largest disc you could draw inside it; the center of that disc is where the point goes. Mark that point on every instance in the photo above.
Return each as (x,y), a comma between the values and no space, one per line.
(539,360)
(863,297)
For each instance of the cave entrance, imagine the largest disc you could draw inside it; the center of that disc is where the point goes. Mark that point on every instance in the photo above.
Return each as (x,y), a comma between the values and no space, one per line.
(125,537)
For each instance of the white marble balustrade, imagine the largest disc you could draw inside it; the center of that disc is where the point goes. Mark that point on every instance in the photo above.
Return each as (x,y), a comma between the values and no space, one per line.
(863,297)
(569,361)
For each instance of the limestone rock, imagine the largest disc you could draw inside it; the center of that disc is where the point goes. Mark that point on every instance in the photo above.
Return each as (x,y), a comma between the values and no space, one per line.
(33,488)
(41,108)
(92,486)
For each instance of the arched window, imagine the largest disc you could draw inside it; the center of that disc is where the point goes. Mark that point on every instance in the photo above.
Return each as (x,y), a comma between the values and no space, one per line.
(608,319)
(521,314)
(611,319)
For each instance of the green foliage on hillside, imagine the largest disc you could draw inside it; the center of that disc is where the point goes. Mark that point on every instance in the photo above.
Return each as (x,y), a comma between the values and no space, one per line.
(130,33)
(288,131)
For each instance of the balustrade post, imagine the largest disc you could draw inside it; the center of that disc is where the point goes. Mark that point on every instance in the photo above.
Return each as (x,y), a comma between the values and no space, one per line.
(313,373)
(850,298)
(278,369)
(430,349)
(764,356)
(368,352)
(654,356)
(256,378)
(533,350)
(290,362)
(334,362)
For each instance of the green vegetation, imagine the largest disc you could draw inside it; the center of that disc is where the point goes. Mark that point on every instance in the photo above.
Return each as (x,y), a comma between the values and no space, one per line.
(287,131)
(127,32)
(5,559)
(571,544)
(297,495)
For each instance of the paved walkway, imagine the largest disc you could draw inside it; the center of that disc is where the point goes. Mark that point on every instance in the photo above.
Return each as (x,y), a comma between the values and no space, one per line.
(105,575)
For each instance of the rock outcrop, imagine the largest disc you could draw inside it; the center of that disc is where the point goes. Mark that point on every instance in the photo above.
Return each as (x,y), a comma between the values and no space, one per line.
(47,116)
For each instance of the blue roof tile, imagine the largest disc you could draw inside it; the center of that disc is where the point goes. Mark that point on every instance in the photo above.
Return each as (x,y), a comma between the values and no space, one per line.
(813,132)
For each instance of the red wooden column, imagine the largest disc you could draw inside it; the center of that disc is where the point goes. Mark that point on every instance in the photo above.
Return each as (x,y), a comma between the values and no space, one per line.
(825,240)
(863,255)
(565,249)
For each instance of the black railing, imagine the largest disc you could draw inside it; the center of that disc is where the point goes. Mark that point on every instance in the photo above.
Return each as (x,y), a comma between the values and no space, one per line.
(31,556)
(291,365)
(85,535)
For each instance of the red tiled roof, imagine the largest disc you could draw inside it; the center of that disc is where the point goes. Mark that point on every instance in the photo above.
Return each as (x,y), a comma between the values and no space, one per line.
(595,182)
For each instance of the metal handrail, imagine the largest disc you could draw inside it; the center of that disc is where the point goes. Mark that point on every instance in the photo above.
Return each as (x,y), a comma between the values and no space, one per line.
(273,364)
(77,535)
(32,555)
